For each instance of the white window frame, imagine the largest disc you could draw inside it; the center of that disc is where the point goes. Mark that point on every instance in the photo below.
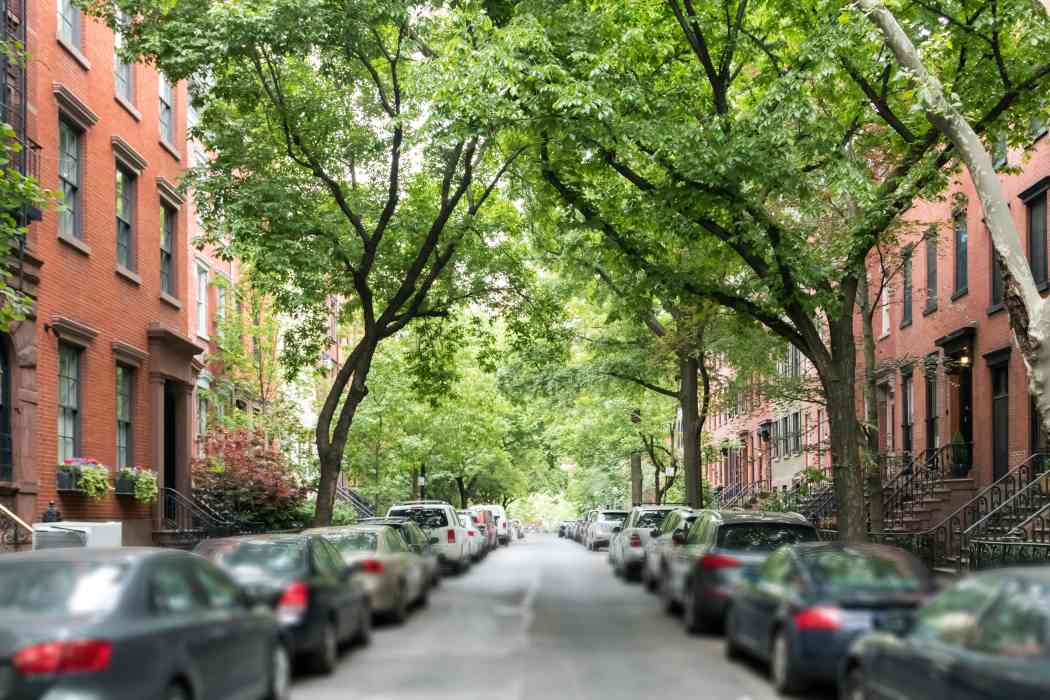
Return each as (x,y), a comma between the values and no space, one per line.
(202,300)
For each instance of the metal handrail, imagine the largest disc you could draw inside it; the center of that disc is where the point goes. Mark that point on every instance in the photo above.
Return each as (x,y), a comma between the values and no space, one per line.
(184,513)
(1022,503)
(358,503)
(742,494)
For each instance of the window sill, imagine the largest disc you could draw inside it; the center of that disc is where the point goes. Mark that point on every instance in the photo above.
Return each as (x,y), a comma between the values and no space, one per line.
(170,300)
(884,336)
(171,149)
(128,107)
(905,323)
(929,310)
(75,53)
(203,336)
(75,243)
(129,275)
(995,308)
(960,293)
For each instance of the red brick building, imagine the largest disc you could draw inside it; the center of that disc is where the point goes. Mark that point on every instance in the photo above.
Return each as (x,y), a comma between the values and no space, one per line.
(105,367)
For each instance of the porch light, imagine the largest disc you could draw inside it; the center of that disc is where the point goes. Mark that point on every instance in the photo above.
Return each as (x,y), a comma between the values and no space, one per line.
(964,360)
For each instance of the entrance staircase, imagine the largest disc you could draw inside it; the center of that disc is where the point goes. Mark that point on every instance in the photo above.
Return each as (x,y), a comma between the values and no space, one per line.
(186,521)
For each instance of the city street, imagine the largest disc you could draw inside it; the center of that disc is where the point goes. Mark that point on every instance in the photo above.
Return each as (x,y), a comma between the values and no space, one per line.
(541,620)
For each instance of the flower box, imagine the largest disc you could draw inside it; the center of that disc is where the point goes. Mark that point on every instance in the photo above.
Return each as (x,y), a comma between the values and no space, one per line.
(125,485)
(68,481)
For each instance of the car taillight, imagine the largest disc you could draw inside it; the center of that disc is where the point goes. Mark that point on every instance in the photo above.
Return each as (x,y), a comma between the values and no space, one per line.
(80,656)
(819,619)
(719,561)
(372,566)
(451,536)
(292,605)
(471,533)
(635,540)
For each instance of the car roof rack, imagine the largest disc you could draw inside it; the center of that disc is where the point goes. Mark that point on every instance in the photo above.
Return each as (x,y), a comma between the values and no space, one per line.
(423,503)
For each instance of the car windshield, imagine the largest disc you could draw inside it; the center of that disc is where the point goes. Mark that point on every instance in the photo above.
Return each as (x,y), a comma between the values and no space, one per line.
(248,558)
(355,541)
(651,518)
(854,570)
(73,588)
(763,537)
(613,516)
(424,517)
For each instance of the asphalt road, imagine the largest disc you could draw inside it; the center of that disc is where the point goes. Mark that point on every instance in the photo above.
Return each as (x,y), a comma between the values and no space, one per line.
(543,619)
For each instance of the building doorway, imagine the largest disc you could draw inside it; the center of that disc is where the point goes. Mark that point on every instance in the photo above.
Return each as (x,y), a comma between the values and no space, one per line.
(170,448)
(1000,421)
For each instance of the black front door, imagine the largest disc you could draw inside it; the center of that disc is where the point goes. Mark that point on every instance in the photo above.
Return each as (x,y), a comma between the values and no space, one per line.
(966,404)
(170,472)
(1000,421)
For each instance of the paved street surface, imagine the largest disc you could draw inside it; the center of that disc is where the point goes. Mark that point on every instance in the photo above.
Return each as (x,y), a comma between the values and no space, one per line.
(541,620)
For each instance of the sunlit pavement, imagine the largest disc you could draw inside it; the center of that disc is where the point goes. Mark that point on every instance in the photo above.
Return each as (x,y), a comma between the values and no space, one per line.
(541,620)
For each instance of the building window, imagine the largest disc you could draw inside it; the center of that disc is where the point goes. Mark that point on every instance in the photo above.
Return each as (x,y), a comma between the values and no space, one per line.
(68,402)
(907,412)
(774,439)
(961,254)
(125,195)
(69,177)
(167,250)
(220,305)
(795,362)
(785,436)
(907,295)
(1037,237)
(202,301)
(123,73)
(933,437)
(202,421)
(125,411)
(796,432)
(69,23)
(884,303)
(931,271)
(997,277)
(167,111)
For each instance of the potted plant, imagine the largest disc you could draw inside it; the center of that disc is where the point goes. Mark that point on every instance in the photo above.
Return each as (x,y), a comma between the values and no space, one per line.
(960,456)
(83,475)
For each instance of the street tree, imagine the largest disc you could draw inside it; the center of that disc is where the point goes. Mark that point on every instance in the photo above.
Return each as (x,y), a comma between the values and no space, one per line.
(335,174)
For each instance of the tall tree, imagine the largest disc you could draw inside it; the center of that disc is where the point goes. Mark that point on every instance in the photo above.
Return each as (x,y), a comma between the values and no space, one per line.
(334,173)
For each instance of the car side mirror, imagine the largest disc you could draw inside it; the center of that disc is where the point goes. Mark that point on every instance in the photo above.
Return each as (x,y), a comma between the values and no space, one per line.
(433,540)
(617,529)
(678,537)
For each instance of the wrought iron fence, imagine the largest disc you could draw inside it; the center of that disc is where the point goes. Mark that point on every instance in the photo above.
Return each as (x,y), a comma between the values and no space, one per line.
(992,554)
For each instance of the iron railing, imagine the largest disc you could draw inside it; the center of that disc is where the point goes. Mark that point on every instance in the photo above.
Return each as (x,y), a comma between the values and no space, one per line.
(15,533)
(915,485)
(1025,502)
(990,554)
(184,514)
(359,504)
(742,495)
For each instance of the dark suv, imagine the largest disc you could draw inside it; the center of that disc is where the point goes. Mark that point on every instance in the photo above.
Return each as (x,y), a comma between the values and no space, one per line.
(720,548)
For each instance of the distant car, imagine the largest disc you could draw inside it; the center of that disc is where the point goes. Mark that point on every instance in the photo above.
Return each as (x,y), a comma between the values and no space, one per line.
(131,623)
(719,549)
(600,530)
(807,603)
(563,528)
(304,580)
(986,636)
(499,515)
(519,532)
(441,523)
(486,524)
(394,576)
(475,540)
(417,541)
(627,547)
(661,543)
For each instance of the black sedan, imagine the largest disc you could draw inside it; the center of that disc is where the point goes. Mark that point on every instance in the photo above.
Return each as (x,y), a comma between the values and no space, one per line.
(133,623)
(987,636)
(318,601)
(808,602)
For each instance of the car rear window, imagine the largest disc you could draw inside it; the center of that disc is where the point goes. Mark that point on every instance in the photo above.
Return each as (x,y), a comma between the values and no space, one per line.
(248,558)
(651,518)
(854,570)
(75,588)
(355,541)
(613,516)
(424,517)
(763,537)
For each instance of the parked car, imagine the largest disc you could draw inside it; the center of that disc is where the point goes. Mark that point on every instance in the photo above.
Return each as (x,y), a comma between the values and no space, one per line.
(131,623)
(519,532)
(303,578)
(601,526)
(661,543)
(986,636)
(418,542)
(719,549)
(627,546)
(394,576)
(807,603)
(563,528)
(475,540)
(438,519)
(486,525)
(499,516)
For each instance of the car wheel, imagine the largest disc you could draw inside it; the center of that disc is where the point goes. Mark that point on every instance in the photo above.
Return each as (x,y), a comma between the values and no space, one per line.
(694,620)
(733,649)
(647,579)
(782,668)
(400,611)
(435,580)
(671,606)
(327,655)
(853,687)
(177,691)
(363,637)
(424,598)
(280,673)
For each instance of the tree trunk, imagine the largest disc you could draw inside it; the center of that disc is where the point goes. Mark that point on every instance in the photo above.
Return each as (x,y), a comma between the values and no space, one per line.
(705,407)
(1029,318)
(462,492)
(636,478)
(689,402)
(657,496)
(872,461)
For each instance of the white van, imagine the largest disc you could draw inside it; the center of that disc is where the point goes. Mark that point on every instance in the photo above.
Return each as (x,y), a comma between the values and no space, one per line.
(439,520)
(502,522)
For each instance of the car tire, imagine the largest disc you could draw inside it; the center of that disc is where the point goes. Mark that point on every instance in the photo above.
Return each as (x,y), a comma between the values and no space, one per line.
(782,671)
(326,656)
(177,691)
(695,622)
(733,649)
(363,636)
(853,685)
(399,613)
(671,606)
(647,579)
(280,673)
